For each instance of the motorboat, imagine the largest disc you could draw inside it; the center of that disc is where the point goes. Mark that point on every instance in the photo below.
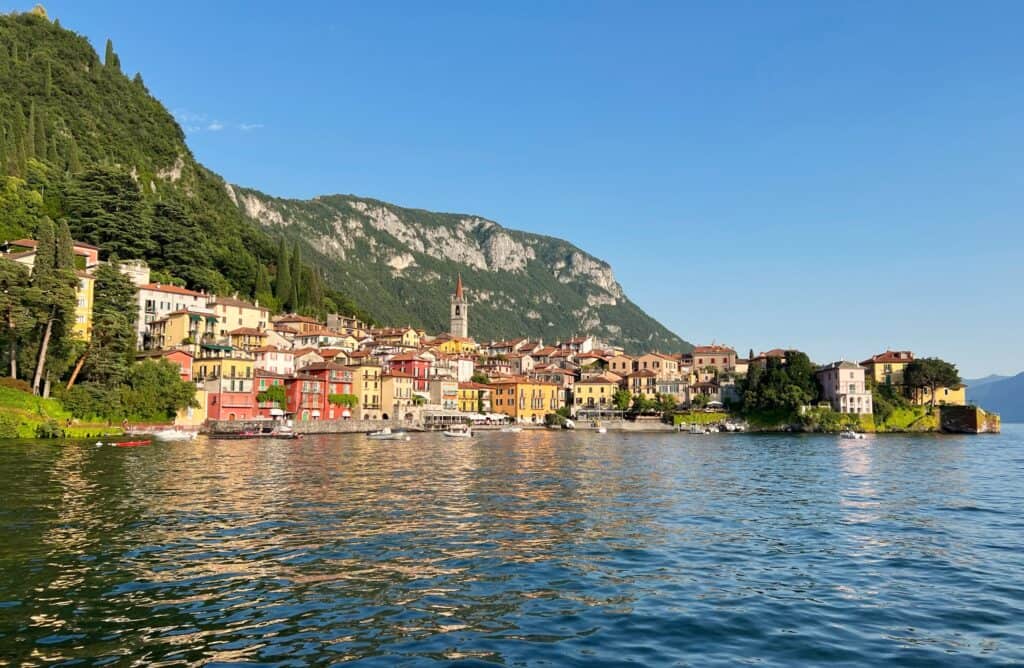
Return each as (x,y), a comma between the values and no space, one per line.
(568,424)
(174,435)
(852,435)
(458,433)
(386,434)
(511,430)
(602,430)
(124,444)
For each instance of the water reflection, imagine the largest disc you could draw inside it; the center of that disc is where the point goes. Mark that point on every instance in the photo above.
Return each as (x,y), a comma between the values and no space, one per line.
(514,547)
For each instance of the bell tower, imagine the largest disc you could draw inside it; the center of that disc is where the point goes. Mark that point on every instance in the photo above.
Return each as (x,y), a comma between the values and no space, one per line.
(459,312)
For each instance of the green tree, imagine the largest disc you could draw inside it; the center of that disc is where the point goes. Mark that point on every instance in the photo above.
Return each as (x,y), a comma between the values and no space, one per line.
(642,404)
(930,373)
(275,393)
(621,399)
(346,400)
(283,286)
(665,403)
(17,319)
(108,355)
(155,391)
(110,59)
(107,210)
(480,377)
(52,293)
(298,289)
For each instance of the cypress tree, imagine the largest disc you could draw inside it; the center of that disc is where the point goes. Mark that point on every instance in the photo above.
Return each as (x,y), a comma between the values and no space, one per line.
(283,285)
(30,135)
(74,161)
(49,78)
(298,292)
(110,59)
(39,131)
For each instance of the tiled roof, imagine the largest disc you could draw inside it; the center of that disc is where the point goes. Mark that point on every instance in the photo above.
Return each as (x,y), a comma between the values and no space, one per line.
(710,350)
(247,331)
(232,301)
(473,386)
(173,290)
(890,356)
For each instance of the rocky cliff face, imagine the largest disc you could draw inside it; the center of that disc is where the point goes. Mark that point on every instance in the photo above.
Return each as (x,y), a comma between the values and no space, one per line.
(401,265)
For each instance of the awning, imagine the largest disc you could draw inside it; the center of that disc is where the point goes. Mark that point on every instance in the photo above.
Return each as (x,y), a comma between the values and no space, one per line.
(315,413)
(276,412)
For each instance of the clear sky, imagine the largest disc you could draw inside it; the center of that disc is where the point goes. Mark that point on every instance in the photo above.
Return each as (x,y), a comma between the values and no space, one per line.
(840,177)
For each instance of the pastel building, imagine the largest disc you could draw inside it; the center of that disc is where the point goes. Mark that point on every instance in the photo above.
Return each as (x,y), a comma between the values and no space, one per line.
(843,386)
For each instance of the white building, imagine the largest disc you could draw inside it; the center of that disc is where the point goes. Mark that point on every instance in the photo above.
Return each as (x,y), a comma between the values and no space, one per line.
(842,384)
(275,360)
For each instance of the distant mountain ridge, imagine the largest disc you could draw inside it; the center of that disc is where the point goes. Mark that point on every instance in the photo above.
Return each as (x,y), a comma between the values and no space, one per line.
(1004,396)
(402,264)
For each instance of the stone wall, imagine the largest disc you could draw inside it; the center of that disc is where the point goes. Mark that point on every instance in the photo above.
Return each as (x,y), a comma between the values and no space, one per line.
(324,426)
(968,420)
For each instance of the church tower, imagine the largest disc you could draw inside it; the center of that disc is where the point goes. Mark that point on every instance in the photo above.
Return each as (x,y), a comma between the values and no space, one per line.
(460,312)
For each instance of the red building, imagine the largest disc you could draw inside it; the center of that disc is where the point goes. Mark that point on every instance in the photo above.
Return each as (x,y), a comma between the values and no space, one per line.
(306,396)
(336,379)
(179,358)
(264,379)
(414,365)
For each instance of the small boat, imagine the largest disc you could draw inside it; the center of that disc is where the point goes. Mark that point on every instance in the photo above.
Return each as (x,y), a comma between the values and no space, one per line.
(568,424)
(458,433)
(130,444)
(386,434)
(602,430)
(174,435)
(852,435)
(511,430)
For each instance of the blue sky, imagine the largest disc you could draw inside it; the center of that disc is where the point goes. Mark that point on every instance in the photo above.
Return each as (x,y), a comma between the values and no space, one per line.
(839,177)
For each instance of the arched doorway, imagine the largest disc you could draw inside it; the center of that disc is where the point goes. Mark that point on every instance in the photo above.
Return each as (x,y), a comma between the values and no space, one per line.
(231,417)
(385,417)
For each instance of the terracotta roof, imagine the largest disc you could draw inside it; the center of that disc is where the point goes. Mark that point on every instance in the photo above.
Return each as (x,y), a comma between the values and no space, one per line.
(398,374)
(519,380)
(172,289)
(263,373)
(32,243)
(292,317)
(324,366)
(715,349)
(643,373)
(247,331)
(890,356)
(599,380)
(408,357)
(473,386)
(232,301)
(458,287)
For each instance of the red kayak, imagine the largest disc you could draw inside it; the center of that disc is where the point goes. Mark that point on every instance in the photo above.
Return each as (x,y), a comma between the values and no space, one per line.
(131,444)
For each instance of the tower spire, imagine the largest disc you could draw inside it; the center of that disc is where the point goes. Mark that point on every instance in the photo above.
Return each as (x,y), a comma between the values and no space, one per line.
(458,287)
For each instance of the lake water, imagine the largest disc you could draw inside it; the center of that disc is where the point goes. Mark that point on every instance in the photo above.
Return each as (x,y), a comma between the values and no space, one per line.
(532,548)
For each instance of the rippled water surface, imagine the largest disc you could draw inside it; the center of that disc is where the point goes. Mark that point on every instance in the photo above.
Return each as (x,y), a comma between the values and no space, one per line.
(531,548)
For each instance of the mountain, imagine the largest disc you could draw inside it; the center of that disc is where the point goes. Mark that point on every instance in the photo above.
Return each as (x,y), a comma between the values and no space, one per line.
(402,263)
(82,141)
(978,382)
(1004,396)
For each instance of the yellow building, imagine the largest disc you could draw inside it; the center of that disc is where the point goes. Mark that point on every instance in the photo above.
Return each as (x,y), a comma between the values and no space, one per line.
(366,384)
(524,400)
(402,337)
(396,395)
(247,338)
(595,393)
(193,416)
(217,362)
(183,329)
(944,396)
(84,292)
(457,345)
(235,313)
(887,368)
(474,398)
(643,382)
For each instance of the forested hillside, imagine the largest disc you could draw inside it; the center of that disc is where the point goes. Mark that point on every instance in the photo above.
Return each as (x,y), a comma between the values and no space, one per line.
(82,141)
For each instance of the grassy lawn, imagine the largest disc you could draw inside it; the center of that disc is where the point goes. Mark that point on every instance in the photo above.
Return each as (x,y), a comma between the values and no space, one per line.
(23,415)
(915,418)
(699,417)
